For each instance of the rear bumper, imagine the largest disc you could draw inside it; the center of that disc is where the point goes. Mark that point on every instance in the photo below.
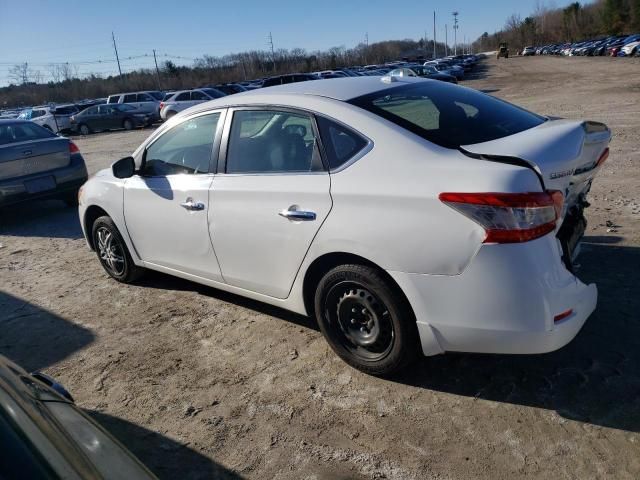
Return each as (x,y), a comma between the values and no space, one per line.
(68,179)
(504,302)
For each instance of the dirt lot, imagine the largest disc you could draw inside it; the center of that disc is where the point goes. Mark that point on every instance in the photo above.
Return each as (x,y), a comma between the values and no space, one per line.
(201,384)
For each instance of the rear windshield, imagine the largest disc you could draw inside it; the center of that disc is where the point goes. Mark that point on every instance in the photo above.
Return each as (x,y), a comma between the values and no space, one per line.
(448,115)
(22,132)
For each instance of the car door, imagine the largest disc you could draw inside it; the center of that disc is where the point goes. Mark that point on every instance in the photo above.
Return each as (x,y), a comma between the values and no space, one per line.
(198,96)
(167,201)
(268,199)
(147,104)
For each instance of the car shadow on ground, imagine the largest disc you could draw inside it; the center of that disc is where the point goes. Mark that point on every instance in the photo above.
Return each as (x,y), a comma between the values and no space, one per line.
(480,71)
(46,218)
(162,281)
(595,379)
(35,338)
(166,458)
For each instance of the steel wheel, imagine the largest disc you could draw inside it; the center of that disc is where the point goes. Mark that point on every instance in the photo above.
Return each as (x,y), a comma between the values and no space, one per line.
(360,319)
(110,251)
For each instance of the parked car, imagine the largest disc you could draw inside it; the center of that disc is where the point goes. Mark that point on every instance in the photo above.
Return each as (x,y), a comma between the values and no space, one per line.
(45,435)
(528,51)
(55,118)
(184,99)
(110,117)
(146,101)
(290,78)
(229,88)
(630,48)
(35,163)
(424,72)
(464,243)
(447,68)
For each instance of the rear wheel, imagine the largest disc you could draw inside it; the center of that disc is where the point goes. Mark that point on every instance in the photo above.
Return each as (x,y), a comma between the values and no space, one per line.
(112,251)
(84,129)
(366,320)
(127,124)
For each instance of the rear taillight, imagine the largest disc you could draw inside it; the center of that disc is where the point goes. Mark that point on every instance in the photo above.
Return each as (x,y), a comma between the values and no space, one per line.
(161,105)
(603,157)
(509,217)
(73,148)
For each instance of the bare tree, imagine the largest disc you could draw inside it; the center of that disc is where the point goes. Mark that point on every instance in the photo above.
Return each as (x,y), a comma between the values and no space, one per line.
(19,73)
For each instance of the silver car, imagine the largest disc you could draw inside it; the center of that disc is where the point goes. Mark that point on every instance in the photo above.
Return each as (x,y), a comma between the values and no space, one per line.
(36,163)
(145,102)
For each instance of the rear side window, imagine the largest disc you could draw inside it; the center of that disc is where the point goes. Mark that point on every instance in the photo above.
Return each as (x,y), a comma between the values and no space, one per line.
(131,98)
(448,115)
(143,97)
(340,143)
(197,95)
(183,97)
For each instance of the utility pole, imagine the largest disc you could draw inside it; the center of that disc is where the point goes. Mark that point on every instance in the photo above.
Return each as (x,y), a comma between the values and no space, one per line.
(157,69)
(434,34)
(366,49)
(116,50)
(446,39)
(455,33)
(273,54)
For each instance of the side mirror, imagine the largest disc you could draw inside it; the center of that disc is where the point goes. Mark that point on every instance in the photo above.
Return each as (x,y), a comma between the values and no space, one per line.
(124,168)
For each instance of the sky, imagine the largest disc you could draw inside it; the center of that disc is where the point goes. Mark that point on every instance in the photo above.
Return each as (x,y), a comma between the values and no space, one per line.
(41,32)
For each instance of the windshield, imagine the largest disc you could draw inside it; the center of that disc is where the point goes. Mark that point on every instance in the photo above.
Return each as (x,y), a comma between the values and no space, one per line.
(448,115)
(213,93)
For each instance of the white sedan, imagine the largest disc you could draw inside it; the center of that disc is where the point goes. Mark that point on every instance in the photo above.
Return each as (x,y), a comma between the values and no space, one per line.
(406,215)
(184,99)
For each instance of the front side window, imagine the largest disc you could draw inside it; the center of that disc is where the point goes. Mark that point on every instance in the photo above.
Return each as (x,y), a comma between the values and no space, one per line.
(113,99)
(183,97)
(130,98)
(143,97)
(264,141)
(198,95)
(184,149)
(448,115)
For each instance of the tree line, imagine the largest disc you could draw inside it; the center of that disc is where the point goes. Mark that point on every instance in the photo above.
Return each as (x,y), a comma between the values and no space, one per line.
(64,85)
(572,23)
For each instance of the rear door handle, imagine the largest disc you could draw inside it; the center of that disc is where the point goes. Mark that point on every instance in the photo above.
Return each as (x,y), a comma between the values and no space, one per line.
(191,205)
(292,213)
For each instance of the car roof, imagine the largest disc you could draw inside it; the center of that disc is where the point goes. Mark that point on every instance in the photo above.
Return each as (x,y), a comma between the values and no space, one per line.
(344,88)
(8,121)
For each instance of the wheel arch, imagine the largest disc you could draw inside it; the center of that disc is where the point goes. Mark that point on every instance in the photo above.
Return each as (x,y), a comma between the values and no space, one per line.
(321,265)
(91,214)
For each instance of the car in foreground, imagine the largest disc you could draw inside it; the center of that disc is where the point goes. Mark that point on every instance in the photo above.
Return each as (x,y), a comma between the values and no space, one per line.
(406,215)
(54,118)
(184,99)
(38,164)
(109,117)
(46,436)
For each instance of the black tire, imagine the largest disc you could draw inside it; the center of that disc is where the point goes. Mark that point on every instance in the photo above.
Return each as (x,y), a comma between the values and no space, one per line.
(127,124)
(84,129)
(366,320)
(112,251)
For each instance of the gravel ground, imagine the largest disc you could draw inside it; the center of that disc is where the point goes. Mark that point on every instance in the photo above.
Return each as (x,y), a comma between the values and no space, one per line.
(204,384)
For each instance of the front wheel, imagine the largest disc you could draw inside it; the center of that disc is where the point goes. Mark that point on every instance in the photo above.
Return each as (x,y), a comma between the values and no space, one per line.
(84,129)
(112,251)
(366,320)
(127,124)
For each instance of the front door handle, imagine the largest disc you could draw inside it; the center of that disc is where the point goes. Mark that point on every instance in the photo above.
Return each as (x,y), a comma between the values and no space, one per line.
(292,213)
(191,205)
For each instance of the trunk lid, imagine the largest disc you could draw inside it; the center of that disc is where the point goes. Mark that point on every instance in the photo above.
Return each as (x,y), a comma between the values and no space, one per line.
(564,153)
(34,156)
